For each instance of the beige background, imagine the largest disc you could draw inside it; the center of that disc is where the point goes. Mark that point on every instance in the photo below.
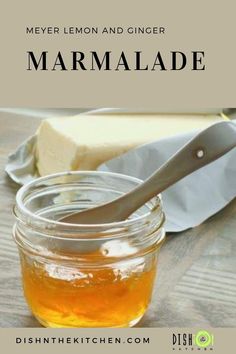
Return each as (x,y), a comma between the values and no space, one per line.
(190,25)
(160,341)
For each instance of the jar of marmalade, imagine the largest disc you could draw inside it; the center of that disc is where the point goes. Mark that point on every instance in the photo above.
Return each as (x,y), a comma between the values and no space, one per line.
(86,275)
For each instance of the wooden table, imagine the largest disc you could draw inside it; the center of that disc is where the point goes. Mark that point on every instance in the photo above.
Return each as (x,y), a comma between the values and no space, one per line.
(196,279)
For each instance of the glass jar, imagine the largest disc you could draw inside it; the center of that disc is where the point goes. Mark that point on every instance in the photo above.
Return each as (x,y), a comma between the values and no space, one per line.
(93,275)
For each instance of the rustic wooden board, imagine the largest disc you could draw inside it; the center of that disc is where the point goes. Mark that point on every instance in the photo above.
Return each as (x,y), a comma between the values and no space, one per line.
(196,279)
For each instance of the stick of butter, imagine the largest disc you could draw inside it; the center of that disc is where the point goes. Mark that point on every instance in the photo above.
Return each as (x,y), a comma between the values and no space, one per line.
(83,142)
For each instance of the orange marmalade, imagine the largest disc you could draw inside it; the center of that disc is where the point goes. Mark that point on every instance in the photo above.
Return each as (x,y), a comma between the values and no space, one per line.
(72,297)
(86,275)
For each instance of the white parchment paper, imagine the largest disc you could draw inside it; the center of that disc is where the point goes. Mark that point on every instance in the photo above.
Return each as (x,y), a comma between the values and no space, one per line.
(193,199)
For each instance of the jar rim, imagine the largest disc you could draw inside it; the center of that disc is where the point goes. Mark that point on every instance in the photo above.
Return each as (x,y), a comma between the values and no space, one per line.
(22,213)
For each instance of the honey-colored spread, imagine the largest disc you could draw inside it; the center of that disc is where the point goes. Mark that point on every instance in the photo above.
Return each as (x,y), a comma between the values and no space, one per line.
(112,296)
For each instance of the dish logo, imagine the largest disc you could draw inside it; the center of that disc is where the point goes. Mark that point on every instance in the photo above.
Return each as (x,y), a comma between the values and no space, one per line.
(202,340)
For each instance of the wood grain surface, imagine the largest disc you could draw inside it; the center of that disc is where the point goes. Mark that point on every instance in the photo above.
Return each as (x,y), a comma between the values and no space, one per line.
(196,284)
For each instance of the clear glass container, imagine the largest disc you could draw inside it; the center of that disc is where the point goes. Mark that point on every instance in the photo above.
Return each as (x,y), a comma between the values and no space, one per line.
(86,275)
